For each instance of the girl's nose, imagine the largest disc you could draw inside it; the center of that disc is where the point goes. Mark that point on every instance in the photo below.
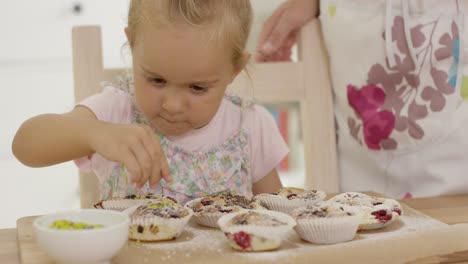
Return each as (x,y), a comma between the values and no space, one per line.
(172,102)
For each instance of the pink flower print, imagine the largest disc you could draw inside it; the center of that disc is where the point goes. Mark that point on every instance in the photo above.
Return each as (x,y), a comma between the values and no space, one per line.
(398,35)
(377,124)
(405,65)
(395,98)
(366,100)
(450,48)
(408,195)
(388,80)
(436,95)
(378,128)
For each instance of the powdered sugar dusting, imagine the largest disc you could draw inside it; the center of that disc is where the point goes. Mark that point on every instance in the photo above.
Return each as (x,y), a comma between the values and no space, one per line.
(210,243)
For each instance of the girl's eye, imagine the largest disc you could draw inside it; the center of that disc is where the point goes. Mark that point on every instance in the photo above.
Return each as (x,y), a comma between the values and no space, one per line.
(198,89)
(157,81)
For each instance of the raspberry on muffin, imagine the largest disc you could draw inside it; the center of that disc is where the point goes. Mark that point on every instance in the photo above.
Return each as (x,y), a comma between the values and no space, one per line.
(378,212)
(256,230)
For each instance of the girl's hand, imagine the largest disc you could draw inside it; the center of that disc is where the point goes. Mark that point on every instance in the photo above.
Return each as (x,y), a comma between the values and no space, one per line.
(279,32)
(136,147)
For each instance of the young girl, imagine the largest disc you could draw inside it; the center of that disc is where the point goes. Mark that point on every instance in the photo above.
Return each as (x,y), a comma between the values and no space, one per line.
(397,70)
(176,132)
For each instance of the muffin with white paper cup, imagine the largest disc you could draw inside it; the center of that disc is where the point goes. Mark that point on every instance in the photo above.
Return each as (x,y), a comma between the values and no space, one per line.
(326,222)
(287,199)
(208,209)
(158,220)
(378,212)
(256,230)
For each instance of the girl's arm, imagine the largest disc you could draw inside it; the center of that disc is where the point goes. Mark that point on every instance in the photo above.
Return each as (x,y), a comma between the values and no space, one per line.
(53,138)
(270,183)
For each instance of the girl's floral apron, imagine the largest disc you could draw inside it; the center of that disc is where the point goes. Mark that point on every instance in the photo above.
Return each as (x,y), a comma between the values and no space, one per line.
(195,173)
(397,73)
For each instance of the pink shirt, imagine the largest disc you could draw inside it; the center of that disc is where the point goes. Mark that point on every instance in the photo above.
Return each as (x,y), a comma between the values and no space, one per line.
(267,147)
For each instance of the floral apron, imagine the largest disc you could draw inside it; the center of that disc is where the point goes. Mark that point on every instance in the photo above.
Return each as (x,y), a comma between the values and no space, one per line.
(397,73)
(195,173)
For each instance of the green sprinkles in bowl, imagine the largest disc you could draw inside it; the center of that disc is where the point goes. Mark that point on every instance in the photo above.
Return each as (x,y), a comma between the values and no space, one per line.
(69,225)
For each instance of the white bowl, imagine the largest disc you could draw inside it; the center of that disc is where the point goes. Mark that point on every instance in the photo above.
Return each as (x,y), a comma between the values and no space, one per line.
(87,245)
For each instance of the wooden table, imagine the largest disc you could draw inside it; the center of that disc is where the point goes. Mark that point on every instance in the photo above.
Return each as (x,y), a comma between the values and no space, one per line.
(448,209)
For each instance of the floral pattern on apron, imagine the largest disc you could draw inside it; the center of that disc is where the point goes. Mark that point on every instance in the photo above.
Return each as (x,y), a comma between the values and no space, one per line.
(195,173)
(406,96)
(400,95)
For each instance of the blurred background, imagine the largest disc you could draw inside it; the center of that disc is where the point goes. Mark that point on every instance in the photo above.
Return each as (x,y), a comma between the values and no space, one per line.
(36,77)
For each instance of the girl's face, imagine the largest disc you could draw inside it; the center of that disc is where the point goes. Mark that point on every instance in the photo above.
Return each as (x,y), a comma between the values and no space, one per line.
(180,76)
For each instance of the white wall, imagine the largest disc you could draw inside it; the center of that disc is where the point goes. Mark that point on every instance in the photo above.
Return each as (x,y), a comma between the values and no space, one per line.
(36,77)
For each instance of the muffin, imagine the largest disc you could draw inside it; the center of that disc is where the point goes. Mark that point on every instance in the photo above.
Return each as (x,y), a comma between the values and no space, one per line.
(122,203)
(162,219)
(256,230)
(287,199)
(377,212)
(326,222)
(208,209)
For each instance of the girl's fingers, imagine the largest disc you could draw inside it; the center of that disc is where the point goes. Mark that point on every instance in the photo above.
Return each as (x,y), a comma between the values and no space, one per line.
(165,169)
(160,164)
(144,161)
(133,168)
(155,176)
(148,142)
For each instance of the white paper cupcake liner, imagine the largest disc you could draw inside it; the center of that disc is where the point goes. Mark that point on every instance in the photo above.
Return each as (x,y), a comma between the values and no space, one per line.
(328,230)
(283,204)
(208,219)
(169,227)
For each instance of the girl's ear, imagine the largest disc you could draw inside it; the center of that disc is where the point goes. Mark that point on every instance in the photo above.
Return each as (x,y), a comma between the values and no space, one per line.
(242,63)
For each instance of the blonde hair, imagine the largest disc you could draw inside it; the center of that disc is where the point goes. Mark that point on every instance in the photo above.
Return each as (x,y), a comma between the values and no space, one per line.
(230,19)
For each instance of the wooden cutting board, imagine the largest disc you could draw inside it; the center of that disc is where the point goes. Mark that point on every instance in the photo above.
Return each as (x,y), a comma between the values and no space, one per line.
(415,236)
(29,251)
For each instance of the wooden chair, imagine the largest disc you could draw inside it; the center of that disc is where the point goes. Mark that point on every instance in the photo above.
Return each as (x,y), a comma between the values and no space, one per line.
(306,82)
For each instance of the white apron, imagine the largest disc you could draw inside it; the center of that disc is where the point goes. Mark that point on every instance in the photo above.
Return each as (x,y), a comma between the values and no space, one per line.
(397,70)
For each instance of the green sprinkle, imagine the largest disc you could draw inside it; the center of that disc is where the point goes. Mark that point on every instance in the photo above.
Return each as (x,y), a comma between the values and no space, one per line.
(69,225)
